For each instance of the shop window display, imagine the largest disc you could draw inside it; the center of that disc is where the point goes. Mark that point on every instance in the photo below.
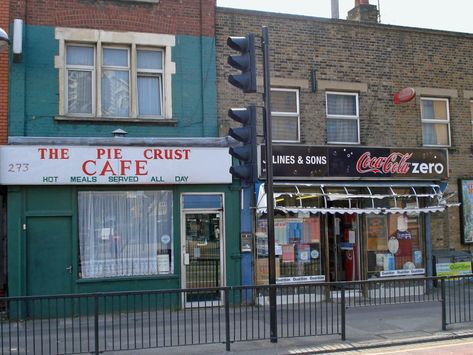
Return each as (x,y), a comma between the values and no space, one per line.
(297,249)
(395,245)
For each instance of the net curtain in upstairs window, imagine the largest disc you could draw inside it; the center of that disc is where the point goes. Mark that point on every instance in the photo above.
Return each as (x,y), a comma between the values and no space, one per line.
(115,82)
(80,68)
(285,114)
(342,118)
(125,233)
(150,70)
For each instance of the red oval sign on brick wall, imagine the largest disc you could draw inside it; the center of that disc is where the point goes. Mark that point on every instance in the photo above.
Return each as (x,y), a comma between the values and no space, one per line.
(405,95)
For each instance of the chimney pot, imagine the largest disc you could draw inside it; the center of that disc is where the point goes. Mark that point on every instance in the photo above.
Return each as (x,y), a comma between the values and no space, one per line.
(363,12)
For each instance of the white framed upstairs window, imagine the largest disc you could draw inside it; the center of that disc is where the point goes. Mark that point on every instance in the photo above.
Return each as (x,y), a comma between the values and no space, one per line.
(80,80)
(435,117)
(114,75)
(343,120)
(115,96)
(285,115)
(150,82)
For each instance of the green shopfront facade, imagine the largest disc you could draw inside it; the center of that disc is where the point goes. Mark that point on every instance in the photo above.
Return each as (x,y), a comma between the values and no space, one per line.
(101,217)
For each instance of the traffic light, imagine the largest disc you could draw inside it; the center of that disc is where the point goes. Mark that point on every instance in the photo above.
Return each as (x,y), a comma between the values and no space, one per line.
(246,62)
(247,170)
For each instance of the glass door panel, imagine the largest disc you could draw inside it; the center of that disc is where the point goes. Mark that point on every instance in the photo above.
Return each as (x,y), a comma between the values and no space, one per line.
(202,261)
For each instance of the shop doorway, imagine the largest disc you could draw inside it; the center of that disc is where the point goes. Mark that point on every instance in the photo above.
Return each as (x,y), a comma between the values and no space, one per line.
(344,245)
(202,261)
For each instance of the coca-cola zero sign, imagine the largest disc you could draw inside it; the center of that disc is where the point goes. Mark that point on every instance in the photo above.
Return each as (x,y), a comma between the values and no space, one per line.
(302,162)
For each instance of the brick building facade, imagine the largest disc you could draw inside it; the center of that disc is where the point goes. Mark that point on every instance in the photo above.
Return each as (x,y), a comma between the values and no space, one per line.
(316,57)
(4,16)
(4,24)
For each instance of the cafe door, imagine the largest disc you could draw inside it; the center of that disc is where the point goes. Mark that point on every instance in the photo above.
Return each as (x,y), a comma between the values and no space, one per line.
(202,261)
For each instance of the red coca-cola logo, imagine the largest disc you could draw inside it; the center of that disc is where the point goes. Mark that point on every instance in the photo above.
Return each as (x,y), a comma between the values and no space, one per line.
(394,163)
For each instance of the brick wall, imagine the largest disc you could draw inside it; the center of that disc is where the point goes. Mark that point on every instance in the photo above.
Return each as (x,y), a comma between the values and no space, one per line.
(191,17)
(4,16)
(386,59)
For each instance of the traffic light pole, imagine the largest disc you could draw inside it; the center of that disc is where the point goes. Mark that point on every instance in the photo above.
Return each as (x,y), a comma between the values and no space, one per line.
(273,325)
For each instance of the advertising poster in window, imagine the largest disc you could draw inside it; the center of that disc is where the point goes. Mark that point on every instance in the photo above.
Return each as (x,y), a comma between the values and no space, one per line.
(377,232)
(466,210)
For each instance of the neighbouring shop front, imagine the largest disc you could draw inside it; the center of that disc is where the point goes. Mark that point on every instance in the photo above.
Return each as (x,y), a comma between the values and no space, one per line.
(350,213)
(108,218)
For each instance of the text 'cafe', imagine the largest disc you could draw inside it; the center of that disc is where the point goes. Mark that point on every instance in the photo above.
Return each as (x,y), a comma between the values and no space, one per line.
(350,213)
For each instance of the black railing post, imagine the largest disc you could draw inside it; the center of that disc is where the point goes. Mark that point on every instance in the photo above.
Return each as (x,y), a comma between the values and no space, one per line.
(343,315)
(227,319)
(96,324)
(444,305)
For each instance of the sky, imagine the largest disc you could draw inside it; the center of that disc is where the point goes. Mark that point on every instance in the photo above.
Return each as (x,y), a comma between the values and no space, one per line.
(449,15)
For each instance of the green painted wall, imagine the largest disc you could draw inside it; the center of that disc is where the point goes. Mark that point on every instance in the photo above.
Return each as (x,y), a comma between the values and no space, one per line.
(34,95)
(27,206)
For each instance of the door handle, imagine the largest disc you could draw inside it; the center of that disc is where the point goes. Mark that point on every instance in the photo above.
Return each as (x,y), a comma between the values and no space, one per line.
(69,268)
(186,259)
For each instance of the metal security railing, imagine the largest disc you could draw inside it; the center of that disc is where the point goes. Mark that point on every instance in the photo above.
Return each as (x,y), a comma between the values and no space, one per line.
(457,296)
(377,292)
(101,322)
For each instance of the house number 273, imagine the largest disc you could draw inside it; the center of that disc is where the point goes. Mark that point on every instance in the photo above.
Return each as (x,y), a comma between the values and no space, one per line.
(18,167)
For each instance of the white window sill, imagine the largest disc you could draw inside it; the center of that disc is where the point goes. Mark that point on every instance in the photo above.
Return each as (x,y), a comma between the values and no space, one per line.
(344,143)
(156,121)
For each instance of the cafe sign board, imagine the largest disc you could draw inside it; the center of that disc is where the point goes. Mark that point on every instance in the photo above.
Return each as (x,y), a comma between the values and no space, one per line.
(93,165)
(307,162)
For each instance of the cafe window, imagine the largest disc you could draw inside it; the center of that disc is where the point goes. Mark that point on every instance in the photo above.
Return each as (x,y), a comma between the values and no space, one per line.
(435,122)
(285,115)
(125,233)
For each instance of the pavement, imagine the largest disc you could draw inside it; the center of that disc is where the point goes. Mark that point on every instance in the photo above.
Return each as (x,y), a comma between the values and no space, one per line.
(366,328)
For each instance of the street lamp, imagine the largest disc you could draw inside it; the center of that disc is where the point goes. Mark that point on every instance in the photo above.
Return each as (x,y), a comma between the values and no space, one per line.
(4,40)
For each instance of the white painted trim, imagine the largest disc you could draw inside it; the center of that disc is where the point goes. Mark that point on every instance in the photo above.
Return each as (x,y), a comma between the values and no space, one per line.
(111,37)
(59,63)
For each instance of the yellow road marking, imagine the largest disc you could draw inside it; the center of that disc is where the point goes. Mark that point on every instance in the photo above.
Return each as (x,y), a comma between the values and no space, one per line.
(424,348)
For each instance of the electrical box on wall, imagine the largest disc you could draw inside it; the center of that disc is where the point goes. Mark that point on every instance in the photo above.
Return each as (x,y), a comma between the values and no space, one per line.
(246,242)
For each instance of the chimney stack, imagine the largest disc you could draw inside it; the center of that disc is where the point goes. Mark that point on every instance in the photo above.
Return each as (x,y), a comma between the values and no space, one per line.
(363,12)
(335,11)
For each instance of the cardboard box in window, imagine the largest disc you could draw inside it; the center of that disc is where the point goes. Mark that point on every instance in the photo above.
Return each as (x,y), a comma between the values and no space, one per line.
(262,271)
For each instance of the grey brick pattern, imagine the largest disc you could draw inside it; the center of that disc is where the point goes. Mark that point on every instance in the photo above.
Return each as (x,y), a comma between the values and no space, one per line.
(383,57)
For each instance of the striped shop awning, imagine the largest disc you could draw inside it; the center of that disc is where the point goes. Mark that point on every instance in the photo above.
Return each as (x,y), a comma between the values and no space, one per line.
(356,198)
